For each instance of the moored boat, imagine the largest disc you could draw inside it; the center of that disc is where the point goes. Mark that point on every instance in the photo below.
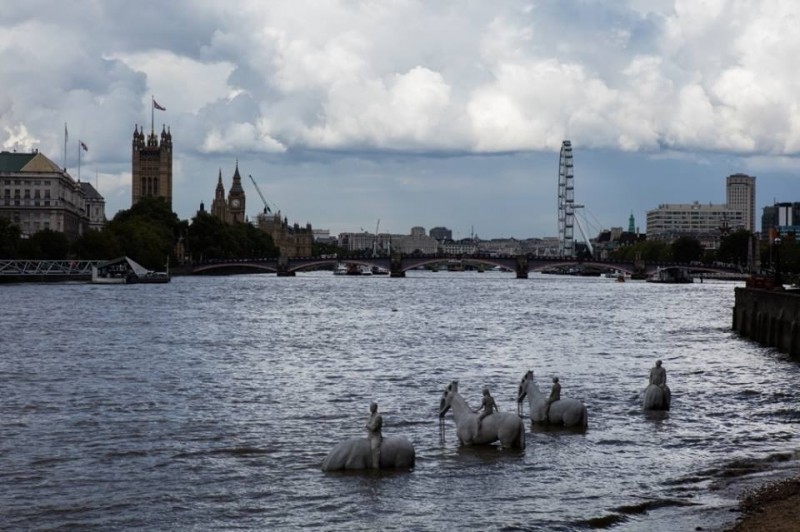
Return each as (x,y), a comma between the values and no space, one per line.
(124,270)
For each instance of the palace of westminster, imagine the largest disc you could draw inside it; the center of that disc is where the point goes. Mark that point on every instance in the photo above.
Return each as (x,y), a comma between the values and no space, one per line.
(37,194)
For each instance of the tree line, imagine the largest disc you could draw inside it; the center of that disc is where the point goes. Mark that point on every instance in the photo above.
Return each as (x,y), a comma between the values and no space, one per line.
(733,249)
(148,233)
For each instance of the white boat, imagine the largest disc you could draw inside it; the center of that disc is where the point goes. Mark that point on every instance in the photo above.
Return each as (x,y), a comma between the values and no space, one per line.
(341,269)
(124,270)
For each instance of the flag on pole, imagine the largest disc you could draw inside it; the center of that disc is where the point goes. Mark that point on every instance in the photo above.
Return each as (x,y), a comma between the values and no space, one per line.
(66,133)
(160,108)
(83,145)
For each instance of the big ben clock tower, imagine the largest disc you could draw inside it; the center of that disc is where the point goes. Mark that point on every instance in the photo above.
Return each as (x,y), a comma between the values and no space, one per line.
(236,198)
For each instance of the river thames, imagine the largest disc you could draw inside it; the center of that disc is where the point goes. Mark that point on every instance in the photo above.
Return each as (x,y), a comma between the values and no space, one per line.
(210,403)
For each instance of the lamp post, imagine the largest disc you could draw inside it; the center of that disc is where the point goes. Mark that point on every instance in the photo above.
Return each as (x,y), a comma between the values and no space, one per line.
(777,266)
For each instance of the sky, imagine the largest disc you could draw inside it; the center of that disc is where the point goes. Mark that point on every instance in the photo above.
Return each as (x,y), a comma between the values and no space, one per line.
(357,115)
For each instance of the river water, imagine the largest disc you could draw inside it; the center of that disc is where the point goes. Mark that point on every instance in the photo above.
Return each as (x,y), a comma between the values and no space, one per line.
(210,403)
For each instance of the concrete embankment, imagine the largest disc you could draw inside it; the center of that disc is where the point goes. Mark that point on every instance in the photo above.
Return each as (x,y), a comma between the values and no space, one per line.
(769,317)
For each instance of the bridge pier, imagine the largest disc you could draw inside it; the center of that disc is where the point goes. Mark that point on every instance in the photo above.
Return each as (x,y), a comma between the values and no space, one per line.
(283,267)
(522,267)
(396,266)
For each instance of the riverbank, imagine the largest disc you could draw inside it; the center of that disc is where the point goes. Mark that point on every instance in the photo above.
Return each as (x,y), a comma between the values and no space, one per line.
(773,507)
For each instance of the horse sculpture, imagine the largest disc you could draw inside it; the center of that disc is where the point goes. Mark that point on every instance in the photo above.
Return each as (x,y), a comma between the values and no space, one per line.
(565,412)
(503,426)
(657,397)
(397,452)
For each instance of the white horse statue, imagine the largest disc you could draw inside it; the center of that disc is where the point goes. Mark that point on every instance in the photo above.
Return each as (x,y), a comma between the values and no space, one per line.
(397,452)
(503,426)
(657,397)
(566,412)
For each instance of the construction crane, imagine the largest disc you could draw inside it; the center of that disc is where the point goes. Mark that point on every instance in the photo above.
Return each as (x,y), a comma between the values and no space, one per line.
(375,242)
(266,207)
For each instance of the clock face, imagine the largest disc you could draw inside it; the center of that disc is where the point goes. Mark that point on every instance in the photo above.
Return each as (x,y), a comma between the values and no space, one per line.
(235,203)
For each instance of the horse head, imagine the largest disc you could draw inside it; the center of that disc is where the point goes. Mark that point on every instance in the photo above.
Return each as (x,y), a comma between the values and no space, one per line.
(522,390)
(447,398)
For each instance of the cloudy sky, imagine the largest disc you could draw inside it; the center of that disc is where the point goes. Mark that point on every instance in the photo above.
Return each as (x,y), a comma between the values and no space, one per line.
(415,112)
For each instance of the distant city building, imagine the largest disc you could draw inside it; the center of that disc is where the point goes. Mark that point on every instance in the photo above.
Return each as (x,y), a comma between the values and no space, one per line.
(783,217)
(151,165)
(699,220)
(441,233)
(232,209)
(292,240)
(415,242)
(323,236)
(740,193)
(613,239)
(542,247)
(465,246)
(631,224)
(38,194)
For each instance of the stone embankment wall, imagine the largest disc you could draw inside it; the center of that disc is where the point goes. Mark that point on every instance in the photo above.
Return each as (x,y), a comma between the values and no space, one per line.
(770,317)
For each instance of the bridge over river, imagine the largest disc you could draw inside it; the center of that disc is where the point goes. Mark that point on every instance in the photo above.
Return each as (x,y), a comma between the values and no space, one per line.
(398,265)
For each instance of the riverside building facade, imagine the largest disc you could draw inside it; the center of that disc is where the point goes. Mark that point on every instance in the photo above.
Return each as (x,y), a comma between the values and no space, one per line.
(37,194)
(704,222)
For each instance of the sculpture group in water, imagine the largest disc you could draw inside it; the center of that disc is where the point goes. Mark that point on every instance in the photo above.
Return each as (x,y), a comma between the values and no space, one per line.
(483,426)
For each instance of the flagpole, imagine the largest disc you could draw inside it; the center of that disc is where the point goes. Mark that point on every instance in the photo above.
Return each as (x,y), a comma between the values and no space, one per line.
(79,160)
(65,146)
(152,113)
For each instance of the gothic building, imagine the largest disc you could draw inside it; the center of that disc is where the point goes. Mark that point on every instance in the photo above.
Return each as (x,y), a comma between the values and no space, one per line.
(231,210)
(152,165)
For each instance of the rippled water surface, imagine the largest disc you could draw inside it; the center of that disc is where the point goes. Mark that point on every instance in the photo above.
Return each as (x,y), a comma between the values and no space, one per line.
(210,403)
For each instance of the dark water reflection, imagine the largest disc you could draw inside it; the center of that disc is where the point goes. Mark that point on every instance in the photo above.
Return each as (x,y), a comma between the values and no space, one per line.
(211,402)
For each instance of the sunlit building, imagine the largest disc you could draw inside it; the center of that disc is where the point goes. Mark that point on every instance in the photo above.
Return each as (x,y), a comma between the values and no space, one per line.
(37,194)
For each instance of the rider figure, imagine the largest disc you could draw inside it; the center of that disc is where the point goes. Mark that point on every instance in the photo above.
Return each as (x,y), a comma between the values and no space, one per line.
(374,434)
(487,405)
(555,394)
(658,375)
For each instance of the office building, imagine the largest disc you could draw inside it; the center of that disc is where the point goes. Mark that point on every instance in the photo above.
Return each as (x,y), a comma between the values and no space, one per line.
(38,194)
(740,194)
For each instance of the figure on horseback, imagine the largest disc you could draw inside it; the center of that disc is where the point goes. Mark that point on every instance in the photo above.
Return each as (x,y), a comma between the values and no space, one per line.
(552,409)
(376,451)
(657,395)
(505,427)
(488,406)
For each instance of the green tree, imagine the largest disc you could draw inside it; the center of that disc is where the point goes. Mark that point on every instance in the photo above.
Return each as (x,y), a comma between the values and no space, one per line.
(733,248)
(45,245)
(97,245)
(210,238)
(686,249)
(647,250)
(9,239)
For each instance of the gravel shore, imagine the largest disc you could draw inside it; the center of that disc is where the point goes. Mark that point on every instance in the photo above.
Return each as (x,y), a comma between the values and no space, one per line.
(773,507)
